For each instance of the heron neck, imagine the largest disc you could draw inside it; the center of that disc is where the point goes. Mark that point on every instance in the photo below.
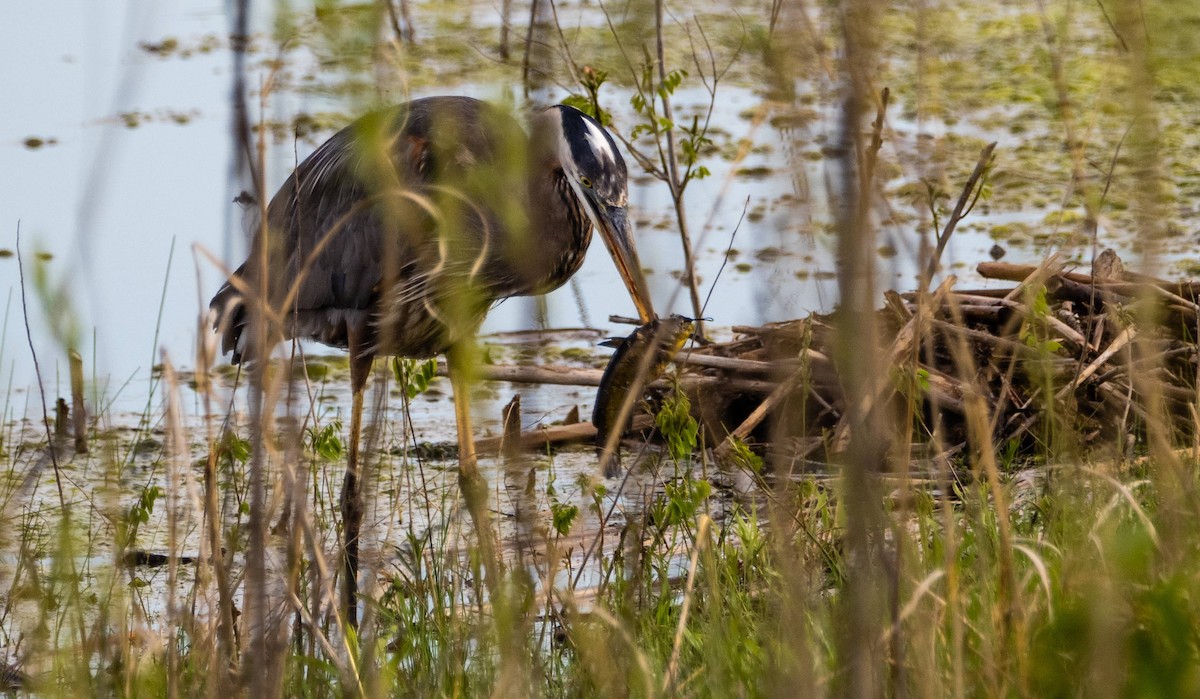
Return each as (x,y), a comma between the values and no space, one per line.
(551,248)
(561,229)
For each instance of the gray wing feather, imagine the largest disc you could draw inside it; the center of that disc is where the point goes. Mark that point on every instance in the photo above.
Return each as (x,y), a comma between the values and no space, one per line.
(360,216)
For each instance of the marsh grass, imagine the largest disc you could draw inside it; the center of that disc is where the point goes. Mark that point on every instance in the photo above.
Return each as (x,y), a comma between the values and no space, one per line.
(1036,568)
(1092,581)
(700,593)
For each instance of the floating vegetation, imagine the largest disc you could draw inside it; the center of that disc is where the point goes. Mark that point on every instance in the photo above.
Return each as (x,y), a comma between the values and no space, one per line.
(794,119)
(162,49)
(134,119)
(769,254)
(171,47)
(36,142)
(756,172)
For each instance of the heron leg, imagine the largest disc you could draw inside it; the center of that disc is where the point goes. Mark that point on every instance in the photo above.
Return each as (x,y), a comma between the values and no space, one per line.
(472,483)
(352,497)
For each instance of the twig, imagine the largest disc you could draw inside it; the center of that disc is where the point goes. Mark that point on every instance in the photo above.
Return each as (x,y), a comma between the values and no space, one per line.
(51,448)
(756,417)
(1123,339)
(901,345)
(872,154)
(395,20)
(37,370)
(533,15)
(1129,284)
(570,376)
(672,169)
(77,406)
(960,211)
(725,259)
(505,22)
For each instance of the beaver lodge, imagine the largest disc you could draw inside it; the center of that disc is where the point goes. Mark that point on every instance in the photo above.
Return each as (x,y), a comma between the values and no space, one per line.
(1087,361)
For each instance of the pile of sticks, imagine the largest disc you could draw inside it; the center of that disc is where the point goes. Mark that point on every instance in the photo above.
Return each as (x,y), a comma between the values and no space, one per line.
(1084,360)
(1060,359)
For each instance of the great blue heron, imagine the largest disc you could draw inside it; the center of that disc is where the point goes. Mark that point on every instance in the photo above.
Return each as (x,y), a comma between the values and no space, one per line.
(397,234)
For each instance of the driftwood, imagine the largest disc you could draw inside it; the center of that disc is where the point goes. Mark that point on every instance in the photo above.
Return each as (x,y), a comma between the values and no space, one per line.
(1096,357)
(554,435)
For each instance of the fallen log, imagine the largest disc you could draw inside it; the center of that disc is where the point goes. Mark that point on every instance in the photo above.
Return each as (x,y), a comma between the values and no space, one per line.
(1128,284)
(554,435)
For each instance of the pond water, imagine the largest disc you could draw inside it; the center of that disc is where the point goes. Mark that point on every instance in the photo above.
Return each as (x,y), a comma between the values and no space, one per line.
(116,153)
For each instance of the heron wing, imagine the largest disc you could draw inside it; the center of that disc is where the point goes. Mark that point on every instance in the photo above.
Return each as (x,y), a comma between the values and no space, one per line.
(402,201)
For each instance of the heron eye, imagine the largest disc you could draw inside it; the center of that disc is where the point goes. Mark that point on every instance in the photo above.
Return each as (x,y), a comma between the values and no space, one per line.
(585,182)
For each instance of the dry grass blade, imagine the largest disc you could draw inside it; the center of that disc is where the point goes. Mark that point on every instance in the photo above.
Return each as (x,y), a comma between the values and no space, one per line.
(921,591)
(701,541)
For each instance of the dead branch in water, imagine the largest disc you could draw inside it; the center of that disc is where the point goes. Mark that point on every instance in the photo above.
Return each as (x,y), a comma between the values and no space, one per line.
(1032,360)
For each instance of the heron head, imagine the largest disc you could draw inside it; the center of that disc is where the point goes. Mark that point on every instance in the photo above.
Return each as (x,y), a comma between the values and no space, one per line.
(596,172)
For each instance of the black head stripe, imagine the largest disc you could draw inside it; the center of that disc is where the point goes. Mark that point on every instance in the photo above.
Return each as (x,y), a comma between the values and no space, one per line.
(595,153)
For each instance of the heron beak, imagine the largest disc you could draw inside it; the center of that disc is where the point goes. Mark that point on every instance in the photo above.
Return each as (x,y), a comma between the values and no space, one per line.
(618,238)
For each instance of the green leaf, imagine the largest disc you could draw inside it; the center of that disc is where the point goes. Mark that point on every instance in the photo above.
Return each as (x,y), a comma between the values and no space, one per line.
(581,103)
(414,375)
(923,380)
(141,510)
(327,441)
(1040,306)
(672,81)
(563,516)
(742,456)
(674,420)
(238,449)
(683,500)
